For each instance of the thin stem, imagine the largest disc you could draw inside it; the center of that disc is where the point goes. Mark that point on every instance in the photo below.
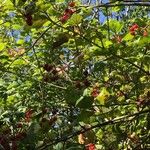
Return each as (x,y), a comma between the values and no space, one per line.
(122,119)
(129,3)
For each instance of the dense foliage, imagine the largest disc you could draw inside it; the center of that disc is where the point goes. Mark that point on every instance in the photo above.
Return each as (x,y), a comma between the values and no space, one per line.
(74,75)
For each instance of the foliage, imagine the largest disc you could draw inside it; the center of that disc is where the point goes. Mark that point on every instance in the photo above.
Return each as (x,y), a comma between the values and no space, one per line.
(72,81)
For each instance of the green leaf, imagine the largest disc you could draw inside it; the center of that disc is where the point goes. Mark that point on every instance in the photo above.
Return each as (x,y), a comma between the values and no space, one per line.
(84,116)
(2,46)
(1,21)
(72,95)
(20,42)
(128,37)
(21,2)
(84,102)
(115,26)
(19,62)
(107,43)
(39,23)
(75,19)
(16,27)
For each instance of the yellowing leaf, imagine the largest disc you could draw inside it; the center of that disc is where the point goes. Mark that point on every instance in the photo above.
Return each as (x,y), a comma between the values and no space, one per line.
(103,95)
(2,46)
(128,37)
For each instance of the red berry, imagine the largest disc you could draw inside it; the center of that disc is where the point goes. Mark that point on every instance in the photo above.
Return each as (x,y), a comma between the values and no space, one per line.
(133,29)
(145,33)
(64,18)
(90,146)
(68,11)
(95,92)
(71,4)
(28,115)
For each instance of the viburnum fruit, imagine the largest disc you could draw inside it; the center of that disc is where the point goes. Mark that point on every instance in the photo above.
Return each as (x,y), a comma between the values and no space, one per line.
(64,18)
(133,28)
(69,11)
(145,33)
(71,4)
(67,14)
(95,92)
(90,146)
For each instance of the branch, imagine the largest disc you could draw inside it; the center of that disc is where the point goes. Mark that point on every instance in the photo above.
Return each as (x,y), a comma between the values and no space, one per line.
(32,46)
(127,3)
(86,39)
(136,66)
(121,119)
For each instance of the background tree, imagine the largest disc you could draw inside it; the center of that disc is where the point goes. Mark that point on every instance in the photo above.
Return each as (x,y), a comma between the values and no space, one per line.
(74,75)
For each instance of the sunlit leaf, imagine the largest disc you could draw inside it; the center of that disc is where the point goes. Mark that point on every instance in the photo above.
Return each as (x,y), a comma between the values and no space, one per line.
(75,19)
(103,96)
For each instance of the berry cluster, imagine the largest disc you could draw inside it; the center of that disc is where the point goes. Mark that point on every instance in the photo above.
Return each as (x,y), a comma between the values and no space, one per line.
(53,72)
(134,29)
(28,115)
(68,12)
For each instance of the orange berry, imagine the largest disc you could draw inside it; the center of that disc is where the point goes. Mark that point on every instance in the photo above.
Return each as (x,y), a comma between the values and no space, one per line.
(145,33)
(71,4)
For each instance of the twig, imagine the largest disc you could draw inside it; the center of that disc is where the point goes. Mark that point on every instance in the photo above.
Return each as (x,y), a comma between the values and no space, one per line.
(129,3)
(136,66)
(31,45)
(121,119)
